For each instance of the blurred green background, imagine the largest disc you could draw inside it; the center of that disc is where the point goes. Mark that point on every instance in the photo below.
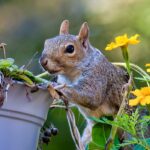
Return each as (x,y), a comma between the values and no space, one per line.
(24,25)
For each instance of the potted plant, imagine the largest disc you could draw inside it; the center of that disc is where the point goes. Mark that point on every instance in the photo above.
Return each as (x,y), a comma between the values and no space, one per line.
(25,101)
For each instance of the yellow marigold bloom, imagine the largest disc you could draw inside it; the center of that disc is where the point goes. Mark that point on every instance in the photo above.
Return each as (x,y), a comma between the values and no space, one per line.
(142,97)
(111,46)
(133,39)
(123,40)
(134,102)
(148,65)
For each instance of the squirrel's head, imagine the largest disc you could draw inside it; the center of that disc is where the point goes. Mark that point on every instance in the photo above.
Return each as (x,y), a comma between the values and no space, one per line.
(65,51)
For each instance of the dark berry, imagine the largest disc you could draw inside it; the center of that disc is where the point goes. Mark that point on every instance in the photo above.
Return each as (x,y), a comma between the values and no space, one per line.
(54,131)
(45,139)
(47,132)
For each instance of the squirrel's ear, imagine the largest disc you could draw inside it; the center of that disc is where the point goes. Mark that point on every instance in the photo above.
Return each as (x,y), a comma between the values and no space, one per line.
(64,28)
(84,32)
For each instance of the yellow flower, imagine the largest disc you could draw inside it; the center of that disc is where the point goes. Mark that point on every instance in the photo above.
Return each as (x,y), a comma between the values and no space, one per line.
(111,46)
(133,39)
(148,65)
(123,40)
(134,102)
(142,97)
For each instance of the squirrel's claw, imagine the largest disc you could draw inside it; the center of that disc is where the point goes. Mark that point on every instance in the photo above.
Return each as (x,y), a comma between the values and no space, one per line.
(54,94)
(59,88)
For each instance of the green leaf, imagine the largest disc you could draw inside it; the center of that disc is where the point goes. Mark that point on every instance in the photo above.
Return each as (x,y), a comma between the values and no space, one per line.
(100,134)
(94,146)
(142,79)
(139,147)
(25,79)
(96,119)
(6,62)
(139,144)
(9,69)
(28,73)
(105,120)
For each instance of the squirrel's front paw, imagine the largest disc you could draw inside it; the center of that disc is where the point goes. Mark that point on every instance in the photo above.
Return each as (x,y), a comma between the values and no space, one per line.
(59,87)
(54,94)
(55,91)
(63,91)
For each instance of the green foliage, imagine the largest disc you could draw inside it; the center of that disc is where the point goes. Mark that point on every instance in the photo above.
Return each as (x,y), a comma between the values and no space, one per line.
(146,142)
(124,122)
(143,79)
(100,134)
(134,125)
(139,144)
(9,69)
(6,62)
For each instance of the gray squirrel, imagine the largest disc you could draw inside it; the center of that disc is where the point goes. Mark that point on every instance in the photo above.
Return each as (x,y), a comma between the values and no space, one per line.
(91,81)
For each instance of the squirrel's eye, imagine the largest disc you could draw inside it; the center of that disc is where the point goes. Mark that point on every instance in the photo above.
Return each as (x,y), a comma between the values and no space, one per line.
(69,49)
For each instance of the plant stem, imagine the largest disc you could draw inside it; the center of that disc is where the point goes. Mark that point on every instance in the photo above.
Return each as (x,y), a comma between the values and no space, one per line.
(137,69)
(126,58)
(128,88)
(4,50)
(2,45)
(42,74)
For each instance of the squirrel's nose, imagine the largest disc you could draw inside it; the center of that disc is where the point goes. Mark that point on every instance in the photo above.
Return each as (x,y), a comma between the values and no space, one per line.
(43,61)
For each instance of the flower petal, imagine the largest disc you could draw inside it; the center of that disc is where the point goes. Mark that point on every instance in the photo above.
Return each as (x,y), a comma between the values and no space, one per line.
(147,65)
(133,39)
(121,40)
(136,92)
(134,102)
(148,70)
(143,101)
(111,46)
(145,91)
(147,99)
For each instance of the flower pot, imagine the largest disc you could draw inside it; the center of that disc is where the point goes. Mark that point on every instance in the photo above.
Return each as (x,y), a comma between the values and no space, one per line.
(21,117)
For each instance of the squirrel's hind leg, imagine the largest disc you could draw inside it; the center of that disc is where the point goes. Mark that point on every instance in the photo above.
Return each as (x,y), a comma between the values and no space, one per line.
(87,133)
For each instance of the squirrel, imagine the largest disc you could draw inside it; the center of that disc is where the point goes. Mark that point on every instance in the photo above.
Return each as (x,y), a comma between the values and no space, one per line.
(91,81)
